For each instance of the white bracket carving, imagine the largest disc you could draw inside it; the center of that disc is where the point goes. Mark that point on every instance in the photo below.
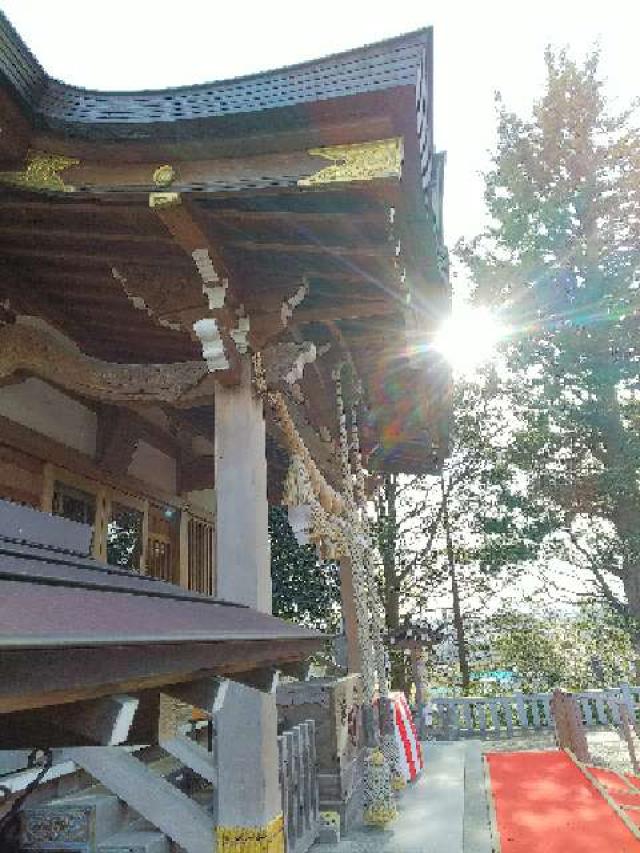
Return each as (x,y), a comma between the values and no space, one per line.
(213,287)
(307,355)
(240,336)
(288,306)
(212,346)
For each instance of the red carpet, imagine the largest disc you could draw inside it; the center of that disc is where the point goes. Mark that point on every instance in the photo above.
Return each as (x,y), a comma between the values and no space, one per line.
(544,804)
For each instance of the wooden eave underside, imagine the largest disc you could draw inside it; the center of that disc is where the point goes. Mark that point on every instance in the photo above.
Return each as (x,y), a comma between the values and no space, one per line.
(59,254)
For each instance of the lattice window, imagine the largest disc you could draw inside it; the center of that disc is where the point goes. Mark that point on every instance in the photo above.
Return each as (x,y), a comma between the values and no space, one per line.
(161,557)
(200,545)
(74,504)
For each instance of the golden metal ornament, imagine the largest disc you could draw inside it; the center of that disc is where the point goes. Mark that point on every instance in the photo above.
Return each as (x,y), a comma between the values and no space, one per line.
(363,161)
(259,839)
(164,199)
(164,176)
(41,172)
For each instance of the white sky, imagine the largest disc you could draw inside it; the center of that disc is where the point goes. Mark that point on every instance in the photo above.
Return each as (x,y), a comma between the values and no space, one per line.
(479,47)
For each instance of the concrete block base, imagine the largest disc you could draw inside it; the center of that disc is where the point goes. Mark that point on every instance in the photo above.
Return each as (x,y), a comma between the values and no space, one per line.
(70,823)
(329,828)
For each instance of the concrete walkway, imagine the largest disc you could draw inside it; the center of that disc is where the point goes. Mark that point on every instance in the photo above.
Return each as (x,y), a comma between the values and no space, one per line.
(445,811)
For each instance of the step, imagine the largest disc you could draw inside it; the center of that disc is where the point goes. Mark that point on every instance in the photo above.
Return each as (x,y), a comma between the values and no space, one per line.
(80,819)
(135,841)
(149,795)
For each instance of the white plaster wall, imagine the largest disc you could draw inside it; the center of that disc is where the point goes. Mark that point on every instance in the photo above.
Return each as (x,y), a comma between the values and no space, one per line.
(204,499)
(154,467)
(41,407)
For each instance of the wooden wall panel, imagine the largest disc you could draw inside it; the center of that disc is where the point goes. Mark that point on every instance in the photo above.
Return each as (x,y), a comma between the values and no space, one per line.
(21,477)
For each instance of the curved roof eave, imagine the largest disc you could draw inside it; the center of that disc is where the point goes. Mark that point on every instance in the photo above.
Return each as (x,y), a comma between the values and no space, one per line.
(364,70)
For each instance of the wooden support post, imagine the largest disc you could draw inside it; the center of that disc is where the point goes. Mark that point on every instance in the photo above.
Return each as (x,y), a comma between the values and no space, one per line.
(47,488)
(349,619)
(627,733)
(419,679)
(103,510)
(570,733)
(248,793)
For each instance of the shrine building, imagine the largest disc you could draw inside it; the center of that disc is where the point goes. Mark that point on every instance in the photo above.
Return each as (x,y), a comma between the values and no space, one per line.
(212,297)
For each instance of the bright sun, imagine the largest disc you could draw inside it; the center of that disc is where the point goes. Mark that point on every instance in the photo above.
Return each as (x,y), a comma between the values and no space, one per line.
(469,338)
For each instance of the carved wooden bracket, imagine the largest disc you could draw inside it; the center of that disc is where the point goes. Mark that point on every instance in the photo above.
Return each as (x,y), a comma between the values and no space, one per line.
(35,351)
(285,363)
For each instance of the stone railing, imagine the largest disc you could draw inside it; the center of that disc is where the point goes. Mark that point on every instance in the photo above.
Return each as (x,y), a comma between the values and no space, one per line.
(299,786)
(522,713)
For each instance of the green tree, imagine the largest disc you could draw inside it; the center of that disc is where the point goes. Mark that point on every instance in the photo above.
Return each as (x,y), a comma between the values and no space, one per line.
(304,589)
(561,259)
(575,650)
(460,536)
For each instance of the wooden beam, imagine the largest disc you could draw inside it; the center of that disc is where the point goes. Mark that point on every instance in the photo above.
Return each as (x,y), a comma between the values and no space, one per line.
(212,175)
(98,722)
(294,216)
(35,678)
(293,248)
(264,679)
(90,236)
(42,447)
(105,721)
(70,256)
(180,221)
(206,694)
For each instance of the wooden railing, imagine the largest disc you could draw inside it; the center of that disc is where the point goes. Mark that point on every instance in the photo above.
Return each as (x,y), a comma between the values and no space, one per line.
(299,786)
(506,716)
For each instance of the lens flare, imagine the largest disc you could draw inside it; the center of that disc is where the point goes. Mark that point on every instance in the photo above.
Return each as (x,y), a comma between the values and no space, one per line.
(469,338)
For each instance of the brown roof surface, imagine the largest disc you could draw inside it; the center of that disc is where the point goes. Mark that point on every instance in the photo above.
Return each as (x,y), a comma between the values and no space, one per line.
(55,598)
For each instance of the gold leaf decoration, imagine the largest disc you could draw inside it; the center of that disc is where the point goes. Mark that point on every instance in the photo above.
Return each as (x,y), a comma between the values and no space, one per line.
(164,176)
(41,172)
(363,161)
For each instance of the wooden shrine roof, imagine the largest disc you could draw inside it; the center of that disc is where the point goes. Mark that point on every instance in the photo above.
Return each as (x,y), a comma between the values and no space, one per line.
(81,247)
(236,106)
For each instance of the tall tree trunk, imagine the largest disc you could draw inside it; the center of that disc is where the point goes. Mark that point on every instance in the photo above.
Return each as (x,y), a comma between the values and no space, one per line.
(458,622)
(620,458)
(631,584)
(389,531)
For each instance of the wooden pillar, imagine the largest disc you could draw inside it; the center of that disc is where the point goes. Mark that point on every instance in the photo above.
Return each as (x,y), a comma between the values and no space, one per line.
(248,790)
(349,618)
(183,550)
